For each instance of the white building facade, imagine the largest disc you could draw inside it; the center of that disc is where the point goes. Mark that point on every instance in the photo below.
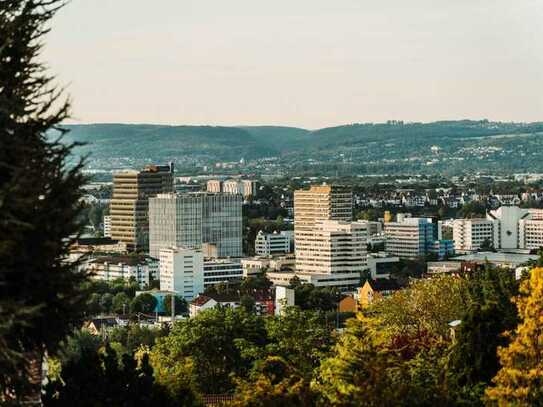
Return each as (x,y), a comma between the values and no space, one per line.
(267,244)
(182,271)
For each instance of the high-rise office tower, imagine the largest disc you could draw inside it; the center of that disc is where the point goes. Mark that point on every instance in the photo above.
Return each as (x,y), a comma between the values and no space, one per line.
(175,220)
(320,202)
(130,202)
(330,248)
(222,225)
(209,221)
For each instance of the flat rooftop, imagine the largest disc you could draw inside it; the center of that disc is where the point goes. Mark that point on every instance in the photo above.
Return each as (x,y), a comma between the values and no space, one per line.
(514,259)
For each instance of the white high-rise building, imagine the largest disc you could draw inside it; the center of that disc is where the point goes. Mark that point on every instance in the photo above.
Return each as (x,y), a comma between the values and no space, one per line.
(330,248)
(336,247)
(195,220)
(182,271)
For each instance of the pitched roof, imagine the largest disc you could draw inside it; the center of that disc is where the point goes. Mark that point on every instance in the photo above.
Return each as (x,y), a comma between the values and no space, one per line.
(106,322)
(220,298)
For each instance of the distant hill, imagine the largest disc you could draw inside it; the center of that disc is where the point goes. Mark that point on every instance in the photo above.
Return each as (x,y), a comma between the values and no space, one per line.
(391,147)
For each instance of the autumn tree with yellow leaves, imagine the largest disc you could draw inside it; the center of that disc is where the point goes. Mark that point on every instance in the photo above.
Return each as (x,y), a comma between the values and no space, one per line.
(519,382)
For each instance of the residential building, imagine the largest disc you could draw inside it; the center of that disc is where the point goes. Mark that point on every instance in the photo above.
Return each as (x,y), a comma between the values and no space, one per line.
(140,268)
(107,226)
(267,244)
(210,221)
(348,304)
(221,271)
(130,202)
(373,290)
(209,301)
(182,271)
(409,237)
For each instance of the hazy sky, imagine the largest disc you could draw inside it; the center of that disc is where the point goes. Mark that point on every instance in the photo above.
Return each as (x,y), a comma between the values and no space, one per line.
(309,63)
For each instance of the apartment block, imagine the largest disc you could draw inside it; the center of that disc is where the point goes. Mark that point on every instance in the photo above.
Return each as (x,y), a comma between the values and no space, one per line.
(130,203)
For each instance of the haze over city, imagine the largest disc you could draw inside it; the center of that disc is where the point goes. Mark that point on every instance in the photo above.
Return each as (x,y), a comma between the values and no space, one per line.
(309,63)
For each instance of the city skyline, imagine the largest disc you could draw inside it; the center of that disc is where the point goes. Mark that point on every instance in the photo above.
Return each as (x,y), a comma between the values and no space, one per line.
(307,64)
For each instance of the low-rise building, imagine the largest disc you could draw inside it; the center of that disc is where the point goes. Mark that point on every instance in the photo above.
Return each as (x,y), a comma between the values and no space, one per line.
(255,265)
(268,244)
(140,268)
(372,290)
(381,265)
(221,271)
(208,301)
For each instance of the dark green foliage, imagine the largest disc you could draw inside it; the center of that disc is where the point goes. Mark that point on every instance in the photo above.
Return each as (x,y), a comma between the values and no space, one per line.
(490,312)
(121,303)
(40,298)
(97,379)
(181,306)
(211,342)
(309,297)
(144,303)
(133,336)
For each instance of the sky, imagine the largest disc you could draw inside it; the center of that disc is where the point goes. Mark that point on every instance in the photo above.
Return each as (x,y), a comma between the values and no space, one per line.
(306,63)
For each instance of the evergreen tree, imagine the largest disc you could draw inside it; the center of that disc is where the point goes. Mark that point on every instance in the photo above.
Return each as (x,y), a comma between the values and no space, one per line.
(490,311)
(40,298)
(519,382)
